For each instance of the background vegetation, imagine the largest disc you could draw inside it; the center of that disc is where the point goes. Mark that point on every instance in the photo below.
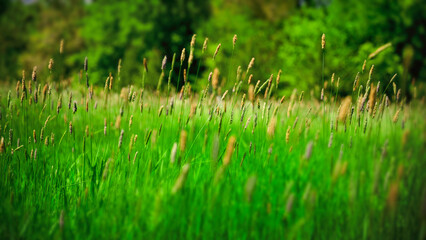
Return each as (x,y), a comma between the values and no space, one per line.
(281,34)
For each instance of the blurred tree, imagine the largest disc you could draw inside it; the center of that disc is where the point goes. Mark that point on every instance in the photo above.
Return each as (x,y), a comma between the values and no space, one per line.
(132,30)
(56,20)
(279,34)
(14,30)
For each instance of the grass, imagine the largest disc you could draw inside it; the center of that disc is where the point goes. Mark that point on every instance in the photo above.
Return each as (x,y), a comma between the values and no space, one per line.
(256,169)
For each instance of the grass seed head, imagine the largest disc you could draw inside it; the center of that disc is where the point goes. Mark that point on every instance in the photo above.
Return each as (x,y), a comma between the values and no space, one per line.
(344,110)
(229,150)
(206,40)
(308,151)
(215,78)
(251,63)
(120,140)
(372,98)
(61,46)
(193,40)
(2,145)
(287,134)
(34,136)
(163,63)
(217,50)
(183,139)
(271,127)
(50,66)
(182,56)
(396,116)
(34,74)
(173,153)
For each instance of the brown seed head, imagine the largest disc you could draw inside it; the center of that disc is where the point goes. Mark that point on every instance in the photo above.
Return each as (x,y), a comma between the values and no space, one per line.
(34,74)
(229,150)
(251,93)
(145,64)
(217,50)
(205,44)
(287,134)
(2,145)
(372,98)
(344,109)
(271,127)
(215,79)
(183,138)
(251,63)
(278,78)
(193,40)
(250,78)
(396,116)
(50,64)
(61,46)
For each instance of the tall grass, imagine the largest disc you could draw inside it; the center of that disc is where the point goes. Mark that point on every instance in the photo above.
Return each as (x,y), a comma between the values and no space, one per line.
(263,167)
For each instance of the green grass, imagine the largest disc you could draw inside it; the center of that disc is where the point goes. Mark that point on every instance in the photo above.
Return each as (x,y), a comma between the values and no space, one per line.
(367,181)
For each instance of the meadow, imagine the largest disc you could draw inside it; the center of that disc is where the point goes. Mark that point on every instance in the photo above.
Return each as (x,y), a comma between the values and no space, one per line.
(80,161)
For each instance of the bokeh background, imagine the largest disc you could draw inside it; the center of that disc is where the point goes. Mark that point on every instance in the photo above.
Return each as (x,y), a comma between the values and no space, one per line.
(280,34)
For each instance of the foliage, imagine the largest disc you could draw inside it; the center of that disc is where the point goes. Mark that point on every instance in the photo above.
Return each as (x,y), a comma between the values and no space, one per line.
(281,34)
(131,30)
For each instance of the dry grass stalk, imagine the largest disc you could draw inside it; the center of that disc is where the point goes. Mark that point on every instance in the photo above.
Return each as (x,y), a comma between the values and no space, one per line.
(217,50)
(379,50)
(250,66)
(206,40)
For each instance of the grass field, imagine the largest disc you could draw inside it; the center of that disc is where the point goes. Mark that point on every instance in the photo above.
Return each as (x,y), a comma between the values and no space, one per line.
(96,162)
